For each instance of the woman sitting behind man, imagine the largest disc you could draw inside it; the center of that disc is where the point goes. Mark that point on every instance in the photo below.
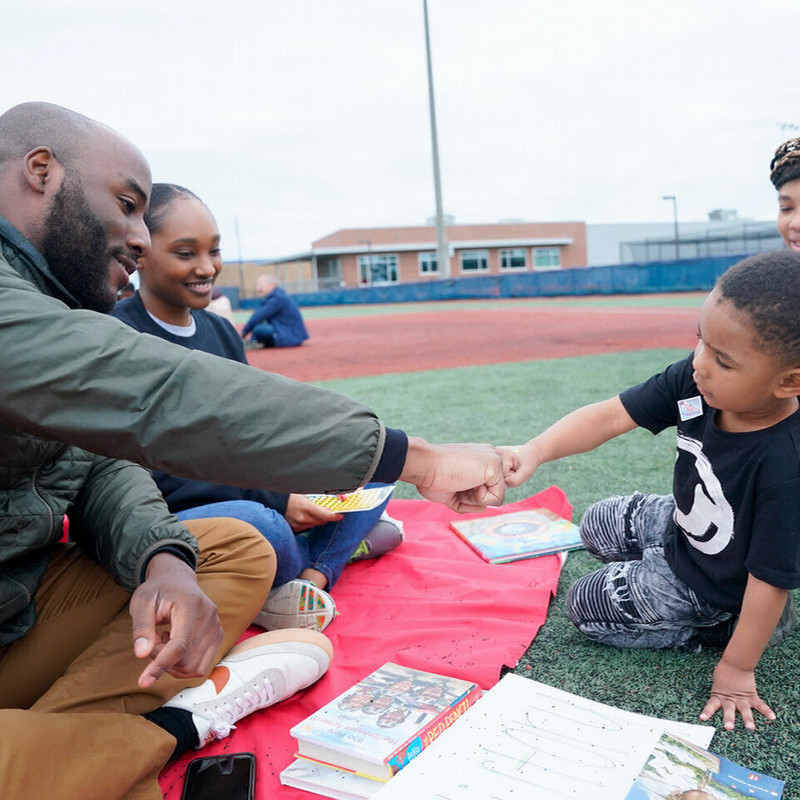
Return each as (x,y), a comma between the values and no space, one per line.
(312,544)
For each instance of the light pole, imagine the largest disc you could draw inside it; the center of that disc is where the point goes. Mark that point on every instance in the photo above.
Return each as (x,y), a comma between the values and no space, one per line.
(675,219)
(442,258)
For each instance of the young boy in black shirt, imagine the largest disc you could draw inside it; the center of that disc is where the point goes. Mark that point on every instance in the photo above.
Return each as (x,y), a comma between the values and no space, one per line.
(712,563)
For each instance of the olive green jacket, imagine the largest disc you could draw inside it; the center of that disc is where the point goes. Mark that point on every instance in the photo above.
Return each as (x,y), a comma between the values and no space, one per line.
(81,390)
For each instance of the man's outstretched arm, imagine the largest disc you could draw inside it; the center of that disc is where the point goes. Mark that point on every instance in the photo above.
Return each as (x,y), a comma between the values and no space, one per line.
(466,477)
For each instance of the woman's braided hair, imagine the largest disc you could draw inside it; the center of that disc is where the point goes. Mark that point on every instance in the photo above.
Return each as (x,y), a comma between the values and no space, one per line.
(785,164)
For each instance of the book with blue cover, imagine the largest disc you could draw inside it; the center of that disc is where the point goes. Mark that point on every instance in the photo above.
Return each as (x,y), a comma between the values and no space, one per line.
(501,538)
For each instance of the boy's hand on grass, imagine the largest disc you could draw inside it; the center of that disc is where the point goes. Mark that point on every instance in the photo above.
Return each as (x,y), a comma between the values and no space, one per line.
(734,690)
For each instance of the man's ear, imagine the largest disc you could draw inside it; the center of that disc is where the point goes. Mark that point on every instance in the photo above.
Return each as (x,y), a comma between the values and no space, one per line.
(41,167)
(790,384)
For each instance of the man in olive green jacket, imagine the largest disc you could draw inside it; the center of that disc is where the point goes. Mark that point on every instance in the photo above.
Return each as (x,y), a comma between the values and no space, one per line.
(80,391)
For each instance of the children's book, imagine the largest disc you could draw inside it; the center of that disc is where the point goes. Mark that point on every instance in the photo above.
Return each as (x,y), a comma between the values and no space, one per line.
(376,727)
(328,781)
(359,500)
(525,739)
(522,534)
(678,769)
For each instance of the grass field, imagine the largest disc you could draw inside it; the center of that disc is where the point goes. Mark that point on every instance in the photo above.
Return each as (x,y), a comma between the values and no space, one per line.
(679,300)
(507,404)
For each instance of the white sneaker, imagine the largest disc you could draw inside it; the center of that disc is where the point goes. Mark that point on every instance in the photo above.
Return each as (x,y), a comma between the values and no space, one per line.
(297,604)
(255,674)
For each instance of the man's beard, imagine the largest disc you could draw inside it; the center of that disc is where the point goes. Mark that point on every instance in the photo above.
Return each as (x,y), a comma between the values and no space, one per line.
(76,248)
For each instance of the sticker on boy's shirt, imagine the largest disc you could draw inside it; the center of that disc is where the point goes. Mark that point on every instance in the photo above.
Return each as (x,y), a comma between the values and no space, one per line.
(690,407)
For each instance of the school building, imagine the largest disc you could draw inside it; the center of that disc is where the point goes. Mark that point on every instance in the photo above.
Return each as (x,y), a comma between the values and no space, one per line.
(364,257)
(385,256)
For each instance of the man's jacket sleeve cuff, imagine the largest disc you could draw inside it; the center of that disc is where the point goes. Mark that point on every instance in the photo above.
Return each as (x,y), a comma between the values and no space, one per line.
(176,547)
(393,457)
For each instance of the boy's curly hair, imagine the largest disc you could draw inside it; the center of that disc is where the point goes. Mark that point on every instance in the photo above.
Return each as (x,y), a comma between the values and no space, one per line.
(766,287)
(785,164)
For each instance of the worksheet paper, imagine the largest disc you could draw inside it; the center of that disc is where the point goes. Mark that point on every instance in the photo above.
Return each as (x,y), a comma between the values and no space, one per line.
(524,739)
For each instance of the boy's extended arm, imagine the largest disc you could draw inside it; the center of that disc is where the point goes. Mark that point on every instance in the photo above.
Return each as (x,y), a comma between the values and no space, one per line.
(577,432)
(734,686)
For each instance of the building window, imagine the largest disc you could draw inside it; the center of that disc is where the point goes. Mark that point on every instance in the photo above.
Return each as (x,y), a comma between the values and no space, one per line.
(546,258)
(474,260)
(428,263)
(377,270)
(513,258)
(329,272)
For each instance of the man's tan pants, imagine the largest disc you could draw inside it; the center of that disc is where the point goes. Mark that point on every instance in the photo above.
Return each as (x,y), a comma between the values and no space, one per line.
(70,708)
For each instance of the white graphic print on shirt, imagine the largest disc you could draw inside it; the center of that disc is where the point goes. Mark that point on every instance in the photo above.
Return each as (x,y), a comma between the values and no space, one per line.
(709,522)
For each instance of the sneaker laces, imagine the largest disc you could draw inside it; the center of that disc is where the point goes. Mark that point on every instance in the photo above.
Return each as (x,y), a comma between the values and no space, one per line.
(240,704)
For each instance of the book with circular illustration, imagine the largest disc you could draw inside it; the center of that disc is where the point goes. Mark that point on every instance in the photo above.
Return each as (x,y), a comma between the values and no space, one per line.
(501,538)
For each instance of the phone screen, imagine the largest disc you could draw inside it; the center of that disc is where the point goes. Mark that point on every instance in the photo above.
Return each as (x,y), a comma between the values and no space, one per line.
(230,776)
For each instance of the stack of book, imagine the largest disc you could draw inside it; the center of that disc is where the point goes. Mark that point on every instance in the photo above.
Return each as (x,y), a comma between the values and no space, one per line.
(353,745)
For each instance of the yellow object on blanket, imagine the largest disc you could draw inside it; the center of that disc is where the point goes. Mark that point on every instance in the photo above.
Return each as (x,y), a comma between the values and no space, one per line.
(360,500)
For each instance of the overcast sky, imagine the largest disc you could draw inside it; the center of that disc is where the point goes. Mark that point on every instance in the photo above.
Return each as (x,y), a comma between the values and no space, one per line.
(295,118)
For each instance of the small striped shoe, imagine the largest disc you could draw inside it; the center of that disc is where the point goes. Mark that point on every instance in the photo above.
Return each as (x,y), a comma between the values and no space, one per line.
(297,604)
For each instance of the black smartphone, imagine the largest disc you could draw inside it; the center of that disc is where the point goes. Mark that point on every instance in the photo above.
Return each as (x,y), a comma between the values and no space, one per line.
(231,776)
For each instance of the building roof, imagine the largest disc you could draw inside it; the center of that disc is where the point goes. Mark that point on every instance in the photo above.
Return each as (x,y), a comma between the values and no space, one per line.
(423,237)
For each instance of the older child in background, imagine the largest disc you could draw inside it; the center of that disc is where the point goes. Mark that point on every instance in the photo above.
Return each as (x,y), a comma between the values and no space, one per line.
(785,176)
(713,563)
(176,282)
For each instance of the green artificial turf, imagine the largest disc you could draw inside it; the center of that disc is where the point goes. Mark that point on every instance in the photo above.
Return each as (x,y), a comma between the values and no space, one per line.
(671,300)
(509,403)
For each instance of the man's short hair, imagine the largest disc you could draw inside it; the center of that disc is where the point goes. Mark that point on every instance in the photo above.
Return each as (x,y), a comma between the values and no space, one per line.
(29,125)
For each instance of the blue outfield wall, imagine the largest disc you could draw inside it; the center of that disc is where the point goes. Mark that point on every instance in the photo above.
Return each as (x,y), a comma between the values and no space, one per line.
(686,275)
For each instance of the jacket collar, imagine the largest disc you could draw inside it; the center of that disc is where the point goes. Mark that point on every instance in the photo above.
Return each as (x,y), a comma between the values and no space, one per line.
(29,263)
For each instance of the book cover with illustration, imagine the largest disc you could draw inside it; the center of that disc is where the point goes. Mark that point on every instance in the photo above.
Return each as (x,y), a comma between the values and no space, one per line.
(382,722)
(677,769)
(501,538)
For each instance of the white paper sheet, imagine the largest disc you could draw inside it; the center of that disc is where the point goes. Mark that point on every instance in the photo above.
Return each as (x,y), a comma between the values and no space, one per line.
(524,740)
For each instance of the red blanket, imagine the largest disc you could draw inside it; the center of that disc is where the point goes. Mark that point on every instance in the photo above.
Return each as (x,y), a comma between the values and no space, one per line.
(432,604)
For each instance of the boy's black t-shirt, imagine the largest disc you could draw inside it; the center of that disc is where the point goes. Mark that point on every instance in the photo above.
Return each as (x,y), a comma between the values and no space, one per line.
(737,495)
